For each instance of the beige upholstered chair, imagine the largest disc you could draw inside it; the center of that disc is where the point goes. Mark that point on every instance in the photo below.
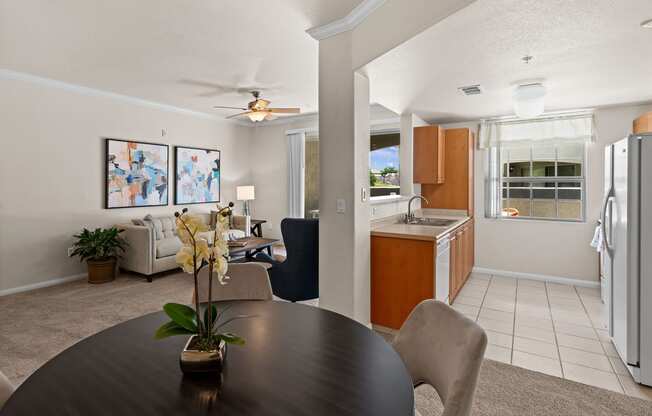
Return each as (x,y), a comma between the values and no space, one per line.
(444,349)
(248,281)
(6,389)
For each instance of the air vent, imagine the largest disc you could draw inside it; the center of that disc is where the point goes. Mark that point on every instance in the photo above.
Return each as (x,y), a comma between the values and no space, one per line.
(471,90)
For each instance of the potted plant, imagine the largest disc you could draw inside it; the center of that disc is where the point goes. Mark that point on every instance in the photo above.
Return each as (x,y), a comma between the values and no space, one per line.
(205,350)
(100,248)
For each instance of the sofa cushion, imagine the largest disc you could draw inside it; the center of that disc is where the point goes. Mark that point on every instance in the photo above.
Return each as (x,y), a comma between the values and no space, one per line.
(233,234)
(167,247)
(164,227)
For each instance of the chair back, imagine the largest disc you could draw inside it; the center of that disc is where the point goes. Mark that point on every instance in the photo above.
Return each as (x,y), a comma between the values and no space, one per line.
(6,389)
(443,348)
(300,270)
(247,281)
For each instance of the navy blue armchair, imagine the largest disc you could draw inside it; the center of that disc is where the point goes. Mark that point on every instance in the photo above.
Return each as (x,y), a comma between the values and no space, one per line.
(296,278)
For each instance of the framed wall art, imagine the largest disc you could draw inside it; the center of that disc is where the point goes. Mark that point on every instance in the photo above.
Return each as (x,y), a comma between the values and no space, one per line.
(197,175)
(136,174)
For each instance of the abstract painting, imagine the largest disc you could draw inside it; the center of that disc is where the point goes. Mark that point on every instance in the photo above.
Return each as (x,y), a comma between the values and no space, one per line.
(197,173)
(136,174)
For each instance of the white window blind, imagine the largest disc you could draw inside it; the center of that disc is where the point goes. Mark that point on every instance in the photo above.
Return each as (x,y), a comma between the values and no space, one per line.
(549,129)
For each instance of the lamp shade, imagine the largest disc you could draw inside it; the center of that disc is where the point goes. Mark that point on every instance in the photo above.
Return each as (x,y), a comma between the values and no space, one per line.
(245,193)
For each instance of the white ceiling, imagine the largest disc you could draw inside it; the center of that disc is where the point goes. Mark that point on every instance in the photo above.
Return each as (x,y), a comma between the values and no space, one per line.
(175,52)
(590,52)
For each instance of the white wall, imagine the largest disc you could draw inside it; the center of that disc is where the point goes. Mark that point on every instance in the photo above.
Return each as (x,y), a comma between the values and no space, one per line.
(52,169)
(270,171)
(543,247)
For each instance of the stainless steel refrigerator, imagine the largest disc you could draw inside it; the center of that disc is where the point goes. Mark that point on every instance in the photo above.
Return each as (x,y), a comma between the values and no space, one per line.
(627,230)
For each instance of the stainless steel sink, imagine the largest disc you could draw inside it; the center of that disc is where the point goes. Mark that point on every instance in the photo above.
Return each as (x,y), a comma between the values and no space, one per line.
(434,222)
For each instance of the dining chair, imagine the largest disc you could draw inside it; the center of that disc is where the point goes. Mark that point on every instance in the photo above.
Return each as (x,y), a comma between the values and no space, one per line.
(247,281)
(444,349)
(6,389)
(296,278)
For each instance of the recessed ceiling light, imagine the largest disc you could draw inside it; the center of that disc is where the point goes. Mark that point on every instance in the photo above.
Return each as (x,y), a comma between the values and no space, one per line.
(647,24)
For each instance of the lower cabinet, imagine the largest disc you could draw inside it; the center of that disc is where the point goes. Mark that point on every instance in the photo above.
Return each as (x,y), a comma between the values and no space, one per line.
(462,257)
(402,275)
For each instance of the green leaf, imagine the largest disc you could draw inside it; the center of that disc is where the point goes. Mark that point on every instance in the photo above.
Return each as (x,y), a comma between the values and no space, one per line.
(171,329)
(183,315)
(213,315)
(230,338)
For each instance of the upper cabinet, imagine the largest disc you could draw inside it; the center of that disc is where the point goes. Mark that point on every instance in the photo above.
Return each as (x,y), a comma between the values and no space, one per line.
(643,124)
(429,155)
(457,192)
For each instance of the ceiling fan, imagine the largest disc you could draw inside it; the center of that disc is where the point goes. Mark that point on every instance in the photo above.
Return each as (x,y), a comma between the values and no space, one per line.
(259,110)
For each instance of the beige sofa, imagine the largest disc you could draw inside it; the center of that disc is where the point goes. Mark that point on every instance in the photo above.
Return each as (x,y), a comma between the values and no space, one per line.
(153,243)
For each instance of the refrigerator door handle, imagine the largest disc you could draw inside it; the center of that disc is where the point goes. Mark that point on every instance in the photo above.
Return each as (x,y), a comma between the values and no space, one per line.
(608,201)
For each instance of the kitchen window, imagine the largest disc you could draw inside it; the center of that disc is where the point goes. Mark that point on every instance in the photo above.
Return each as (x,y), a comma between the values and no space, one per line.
(537,179)
(384,164)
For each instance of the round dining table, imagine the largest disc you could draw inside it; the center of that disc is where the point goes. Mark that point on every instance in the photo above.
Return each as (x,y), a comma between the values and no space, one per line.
(297,360)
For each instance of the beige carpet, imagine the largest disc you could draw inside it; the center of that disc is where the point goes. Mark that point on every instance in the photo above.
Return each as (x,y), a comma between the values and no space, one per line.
(38,325)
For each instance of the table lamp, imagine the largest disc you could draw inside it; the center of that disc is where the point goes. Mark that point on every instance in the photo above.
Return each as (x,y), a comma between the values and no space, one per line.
(246,194)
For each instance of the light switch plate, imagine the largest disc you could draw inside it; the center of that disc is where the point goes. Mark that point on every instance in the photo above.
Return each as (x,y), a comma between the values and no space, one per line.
(341,206)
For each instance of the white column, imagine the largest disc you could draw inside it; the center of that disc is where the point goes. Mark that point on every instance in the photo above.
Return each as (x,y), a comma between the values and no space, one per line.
(344,281)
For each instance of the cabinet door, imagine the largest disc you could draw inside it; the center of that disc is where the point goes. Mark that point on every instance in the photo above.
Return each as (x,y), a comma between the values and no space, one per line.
(428,155)
(452,282)
(471,247)
(459,259)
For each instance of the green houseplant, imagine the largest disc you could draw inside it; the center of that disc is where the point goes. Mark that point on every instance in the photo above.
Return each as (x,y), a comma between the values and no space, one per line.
(206,348)
(100,249)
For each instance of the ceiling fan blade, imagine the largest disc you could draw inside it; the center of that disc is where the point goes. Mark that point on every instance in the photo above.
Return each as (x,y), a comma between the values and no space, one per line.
(239,114)
(229,108)
(284,110)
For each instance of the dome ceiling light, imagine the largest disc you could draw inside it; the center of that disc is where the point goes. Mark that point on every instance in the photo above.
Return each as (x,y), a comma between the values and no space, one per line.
(529,100)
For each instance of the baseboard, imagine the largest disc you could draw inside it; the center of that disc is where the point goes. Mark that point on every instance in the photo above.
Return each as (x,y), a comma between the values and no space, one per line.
(39,285)
(540,277)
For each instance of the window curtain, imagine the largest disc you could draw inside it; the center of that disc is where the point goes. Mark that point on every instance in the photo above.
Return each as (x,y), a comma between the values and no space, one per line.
(552,129)
(296,174)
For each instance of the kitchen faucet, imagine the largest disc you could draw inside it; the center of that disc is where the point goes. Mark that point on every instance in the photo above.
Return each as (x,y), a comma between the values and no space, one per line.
(410,216)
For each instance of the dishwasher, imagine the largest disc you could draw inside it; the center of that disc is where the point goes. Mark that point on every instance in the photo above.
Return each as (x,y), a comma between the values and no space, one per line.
(442,269)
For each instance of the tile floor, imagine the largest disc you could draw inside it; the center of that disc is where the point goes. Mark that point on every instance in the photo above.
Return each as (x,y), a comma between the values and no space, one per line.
(555,329)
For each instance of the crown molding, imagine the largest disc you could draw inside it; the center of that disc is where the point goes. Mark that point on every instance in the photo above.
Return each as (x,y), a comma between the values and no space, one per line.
(348,22)
(8,74)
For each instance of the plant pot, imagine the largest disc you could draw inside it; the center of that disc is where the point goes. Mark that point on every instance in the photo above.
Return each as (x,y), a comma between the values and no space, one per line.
(195,362)
(101,271)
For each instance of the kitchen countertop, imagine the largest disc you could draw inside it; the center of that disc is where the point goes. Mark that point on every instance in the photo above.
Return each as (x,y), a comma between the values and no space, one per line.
(389,227)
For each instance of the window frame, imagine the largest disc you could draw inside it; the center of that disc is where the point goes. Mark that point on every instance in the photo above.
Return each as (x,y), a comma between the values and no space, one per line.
(494,195)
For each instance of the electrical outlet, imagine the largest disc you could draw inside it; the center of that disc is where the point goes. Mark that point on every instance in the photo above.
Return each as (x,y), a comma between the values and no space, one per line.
(70,250)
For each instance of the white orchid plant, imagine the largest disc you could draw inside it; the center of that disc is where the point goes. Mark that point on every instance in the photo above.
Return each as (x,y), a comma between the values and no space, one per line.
(195,254)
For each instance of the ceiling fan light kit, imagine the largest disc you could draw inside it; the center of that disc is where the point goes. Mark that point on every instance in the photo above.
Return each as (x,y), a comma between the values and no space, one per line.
(529,100)
(259,110)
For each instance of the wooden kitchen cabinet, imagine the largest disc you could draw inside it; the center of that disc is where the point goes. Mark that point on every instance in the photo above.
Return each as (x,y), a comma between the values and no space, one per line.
(457,191)
(429,155)
(643,124)
(402,275)
(462,257)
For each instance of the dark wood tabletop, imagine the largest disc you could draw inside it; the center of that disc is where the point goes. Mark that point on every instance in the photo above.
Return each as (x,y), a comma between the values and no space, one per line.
(298,360)
(254,244)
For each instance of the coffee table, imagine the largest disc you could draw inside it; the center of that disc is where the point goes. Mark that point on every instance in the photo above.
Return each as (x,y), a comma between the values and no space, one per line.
(254,246)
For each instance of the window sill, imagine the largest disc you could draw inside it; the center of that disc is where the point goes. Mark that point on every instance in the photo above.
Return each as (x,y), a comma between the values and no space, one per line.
(387,199)
(533,219)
